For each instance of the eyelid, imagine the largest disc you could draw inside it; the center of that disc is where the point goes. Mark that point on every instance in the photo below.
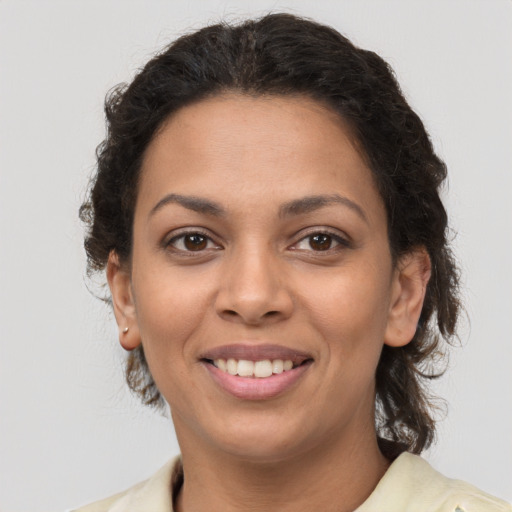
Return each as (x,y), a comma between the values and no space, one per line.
(182,232)
(340,238)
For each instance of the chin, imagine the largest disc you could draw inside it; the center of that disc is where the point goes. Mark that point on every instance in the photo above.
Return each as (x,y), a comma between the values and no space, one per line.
(263,442)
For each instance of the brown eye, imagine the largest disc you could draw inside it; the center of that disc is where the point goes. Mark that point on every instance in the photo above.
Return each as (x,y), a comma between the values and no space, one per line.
(195,242)
(320,242)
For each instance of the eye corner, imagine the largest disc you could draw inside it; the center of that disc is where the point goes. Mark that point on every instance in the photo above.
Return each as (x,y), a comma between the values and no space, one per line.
(190,242)
(321,241)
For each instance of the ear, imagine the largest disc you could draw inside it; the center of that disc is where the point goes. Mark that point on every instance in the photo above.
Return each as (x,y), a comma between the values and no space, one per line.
(408,293)
(122,299)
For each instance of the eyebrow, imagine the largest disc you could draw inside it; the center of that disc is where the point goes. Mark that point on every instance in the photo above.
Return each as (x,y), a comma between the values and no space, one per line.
(196,204)
(311,203)
(295,207)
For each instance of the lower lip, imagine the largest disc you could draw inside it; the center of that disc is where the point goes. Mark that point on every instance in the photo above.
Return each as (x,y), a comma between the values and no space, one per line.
(255,388)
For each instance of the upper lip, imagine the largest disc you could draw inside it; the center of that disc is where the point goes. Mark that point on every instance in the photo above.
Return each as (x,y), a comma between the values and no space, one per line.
(251,352)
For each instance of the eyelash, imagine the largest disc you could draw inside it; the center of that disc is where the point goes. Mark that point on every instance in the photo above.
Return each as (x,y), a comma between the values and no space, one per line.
(340,242)
(172,242)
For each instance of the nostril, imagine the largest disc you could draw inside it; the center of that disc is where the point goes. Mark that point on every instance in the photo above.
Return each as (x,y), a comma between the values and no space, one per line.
(271,313)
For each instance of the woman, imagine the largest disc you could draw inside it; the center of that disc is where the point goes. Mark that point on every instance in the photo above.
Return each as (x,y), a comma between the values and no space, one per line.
(267,211)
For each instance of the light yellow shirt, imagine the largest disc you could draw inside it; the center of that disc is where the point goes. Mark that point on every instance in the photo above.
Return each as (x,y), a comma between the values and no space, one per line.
(409,485)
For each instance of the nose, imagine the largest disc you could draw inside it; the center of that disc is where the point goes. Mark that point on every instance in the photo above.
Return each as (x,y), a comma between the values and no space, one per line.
(254,289)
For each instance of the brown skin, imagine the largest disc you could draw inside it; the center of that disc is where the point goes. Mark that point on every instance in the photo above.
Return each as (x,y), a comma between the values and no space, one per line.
(260,278)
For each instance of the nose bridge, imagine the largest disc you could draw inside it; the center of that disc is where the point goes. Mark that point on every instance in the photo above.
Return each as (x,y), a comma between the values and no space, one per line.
(254,286)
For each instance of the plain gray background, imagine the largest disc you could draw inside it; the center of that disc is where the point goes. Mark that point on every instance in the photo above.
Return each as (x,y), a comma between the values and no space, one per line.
(69,431)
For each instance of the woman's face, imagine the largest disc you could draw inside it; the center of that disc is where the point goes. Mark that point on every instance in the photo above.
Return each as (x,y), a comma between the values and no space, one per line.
(259,236)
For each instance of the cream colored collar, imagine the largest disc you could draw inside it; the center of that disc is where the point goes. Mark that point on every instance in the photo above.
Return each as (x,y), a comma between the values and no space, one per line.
(409,485)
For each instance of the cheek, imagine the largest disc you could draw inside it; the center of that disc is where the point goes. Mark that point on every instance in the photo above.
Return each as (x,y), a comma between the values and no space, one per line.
(170,310)
(352,299)
(350,311)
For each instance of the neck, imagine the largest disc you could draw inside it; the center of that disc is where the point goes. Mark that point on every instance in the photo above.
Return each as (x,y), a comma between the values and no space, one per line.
(337,477)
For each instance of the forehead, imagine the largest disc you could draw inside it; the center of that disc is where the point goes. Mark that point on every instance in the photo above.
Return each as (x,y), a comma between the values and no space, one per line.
(241,122)
(267,145)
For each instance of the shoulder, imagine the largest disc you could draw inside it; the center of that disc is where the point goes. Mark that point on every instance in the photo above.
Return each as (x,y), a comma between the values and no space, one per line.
(154,494)
(106,504)
(412,485)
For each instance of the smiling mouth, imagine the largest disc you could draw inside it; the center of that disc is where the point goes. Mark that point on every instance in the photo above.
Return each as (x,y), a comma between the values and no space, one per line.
(250,371)
(255,369)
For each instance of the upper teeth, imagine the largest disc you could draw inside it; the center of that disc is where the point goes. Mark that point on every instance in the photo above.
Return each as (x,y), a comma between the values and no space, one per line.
(245,368)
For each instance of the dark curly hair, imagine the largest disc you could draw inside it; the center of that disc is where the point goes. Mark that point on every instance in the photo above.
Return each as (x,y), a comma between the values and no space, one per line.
(281,54)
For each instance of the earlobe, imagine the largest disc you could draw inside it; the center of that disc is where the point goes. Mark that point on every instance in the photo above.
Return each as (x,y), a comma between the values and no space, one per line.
(122,300)
(408,293)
